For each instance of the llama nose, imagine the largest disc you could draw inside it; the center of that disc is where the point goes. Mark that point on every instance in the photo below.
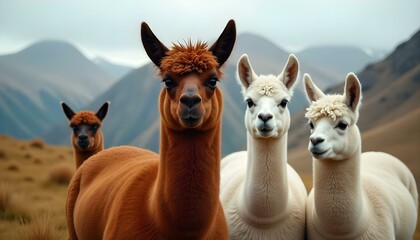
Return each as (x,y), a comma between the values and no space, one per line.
(265,117)
(190,100)
(83,137)
(316,140)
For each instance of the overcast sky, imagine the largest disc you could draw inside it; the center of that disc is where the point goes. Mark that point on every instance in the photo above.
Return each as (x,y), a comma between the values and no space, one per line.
(111,28)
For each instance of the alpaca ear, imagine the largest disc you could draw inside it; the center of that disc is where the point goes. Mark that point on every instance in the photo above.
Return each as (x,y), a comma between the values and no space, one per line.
(154,48)
(312,91)
(352,92)
(290,72)
(101,113)
(245,72)
(67,110)
(224,44)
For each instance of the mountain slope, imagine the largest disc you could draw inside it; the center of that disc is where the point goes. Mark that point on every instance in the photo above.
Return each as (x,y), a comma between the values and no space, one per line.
(115,70)
(34,80)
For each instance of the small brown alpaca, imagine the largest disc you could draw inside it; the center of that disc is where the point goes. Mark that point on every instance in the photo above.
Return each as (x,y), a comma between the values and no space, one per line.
(87,138)
(131,193)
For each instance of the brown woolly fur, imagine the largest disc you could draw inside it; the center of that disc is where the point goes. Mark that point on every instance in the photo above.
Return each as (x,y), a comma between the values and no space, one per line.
(85,117)
(182,59)
(87,138)
(132,193)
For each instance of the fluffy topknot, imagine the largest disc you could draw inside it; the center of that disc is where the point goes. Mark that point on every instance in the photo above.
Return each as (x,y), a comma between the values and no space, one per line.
(332,106)
(85,117)
(182,59)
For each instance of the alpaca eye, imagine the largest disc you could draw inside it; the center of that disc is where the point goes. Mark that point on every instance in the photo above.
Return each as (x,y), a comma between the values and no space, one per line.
(311,125)
(283,103)
(212,83)
(342,125)
(94,128)
(169,83)
(75,128)
(250,103)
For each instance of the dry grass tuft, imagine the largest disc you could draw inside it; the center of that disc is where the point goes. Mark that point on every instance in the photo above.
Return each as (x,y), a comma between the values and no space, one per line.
(41,227)
(62,173)
(37,143)
(37,161)
(5,197)
(13,166)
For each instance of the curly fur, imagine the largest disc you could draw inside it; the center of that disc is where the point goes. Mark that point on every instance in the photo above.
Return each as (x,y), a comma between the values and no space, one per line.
(183,59)
(85,117)
(332,106)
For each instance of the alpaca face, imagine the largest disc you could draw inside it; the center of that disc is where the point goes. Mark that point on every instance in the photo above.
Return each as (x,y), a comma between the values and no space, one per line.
(190,73)
(336,140)
(84,136)
(85,126)
(191,101)
(332,119)
(267,116)
(267,97)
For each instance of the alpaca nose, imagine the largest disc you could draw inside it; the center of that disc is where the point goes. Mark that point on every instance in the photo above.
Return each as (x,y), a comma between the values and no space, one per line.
(83,137)
(265,117)
(316,140)
(190,100)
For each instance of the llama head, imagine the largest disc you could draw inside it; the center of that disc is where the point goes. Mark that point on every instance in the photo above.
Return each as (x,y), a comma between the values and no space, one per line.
(332,119)
(267,97)
(190,72)
(85,125)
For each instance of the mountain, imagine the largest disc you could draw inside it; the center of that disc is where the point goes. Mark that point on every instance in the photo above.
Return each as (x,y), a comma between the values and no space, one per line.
(34,80)
(117,71)
(391,93)
(133,116)
(338,60)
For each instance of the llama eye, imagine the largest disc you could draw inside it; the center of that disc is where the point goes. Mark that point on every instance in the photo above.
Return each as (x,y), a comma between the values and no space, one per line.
(212,83)
(311,125)
(283,103)
(94,128)
(169,83)
(342,125)
(75,128)
(250,103)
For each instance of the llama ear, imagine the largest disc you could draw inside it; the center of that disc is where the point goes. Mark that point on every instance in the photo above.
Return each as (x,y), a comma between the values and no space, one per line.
(224,44)
(352,92)
(101,113)
(154,48)
(245,72)
(290,72)
(312,91)
(67,110)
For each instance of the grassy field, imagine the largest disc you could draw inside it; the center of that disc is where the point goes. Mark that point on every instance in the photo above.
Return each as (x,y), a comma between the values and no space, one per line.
(33,186)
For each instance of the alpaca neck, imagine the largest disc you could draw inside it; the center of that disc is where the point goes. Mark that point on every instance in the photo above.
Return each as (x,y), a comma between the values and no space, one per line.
(266,190)
(187,187)
(340,207)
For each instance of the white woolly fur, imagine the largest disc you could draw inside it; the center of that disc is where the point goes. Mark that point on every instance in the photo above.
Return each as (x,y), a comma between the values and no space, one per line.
(355,195)
(262,195)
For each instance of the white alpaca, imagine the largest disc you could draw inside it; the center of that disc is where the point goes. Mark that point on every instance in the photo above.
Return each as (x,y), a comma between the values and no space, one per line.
(262,196)
(355,196)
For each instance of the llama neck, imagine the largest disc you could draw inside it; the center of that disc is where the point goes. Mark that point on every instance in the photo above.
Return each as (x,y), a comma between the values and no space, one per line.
(187,187)
(266,191)
(340,207)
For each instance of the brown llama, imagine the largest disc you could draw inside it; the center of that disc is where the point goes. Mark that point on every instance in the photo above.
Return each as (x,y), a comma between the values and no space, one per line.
(131,193)
(87,137)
